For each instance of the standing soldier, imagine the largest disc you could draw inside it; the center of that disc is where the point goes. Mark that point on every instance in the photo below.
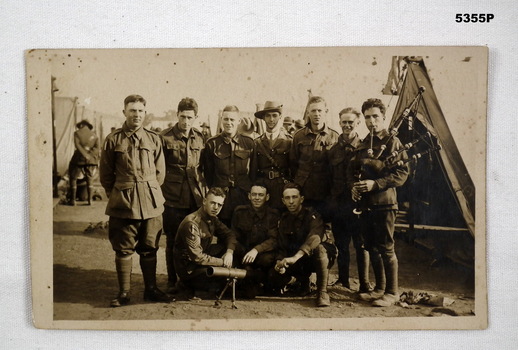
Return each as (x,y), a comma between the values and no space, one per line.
(345,223)
(183,187)
(374,183)
(226,162)
(271,162)
(131,171)
(309,157)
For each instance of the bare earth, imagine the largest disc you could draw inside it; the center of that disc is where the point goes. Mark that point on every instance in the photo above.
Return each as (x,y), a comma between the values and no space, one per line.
(85,281)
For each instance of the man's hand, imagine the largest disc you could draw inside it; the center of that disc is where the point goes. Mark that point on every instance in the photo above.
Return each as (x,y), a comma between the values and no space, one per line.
(228,258)
(364,186)
(250,256)
(355,194)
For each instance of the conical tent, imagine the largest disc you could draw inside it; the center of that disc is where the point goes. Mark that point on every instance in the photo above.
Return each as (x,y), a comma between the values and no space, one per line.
(439,191)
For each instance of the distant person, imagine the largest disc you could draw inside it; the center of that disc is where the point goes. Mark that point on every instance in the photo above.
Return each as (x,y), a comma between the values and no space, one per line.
(309,157)
(226,162)
(255,225)
(301,249)
(288,125)
(299,124)
(375,192)
(271,160)
(132,169)
(184,185)
(194,250)
(205,131)
(85,159)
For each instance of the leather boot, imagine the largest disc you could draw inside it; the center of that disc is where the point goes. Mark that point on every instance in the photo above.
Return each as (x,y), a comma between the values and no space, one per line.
(90,191)
(151,291)
(73,195)
(171,271)
(390,264)
(123,266)
(322,277)
(379,272)
(362,260)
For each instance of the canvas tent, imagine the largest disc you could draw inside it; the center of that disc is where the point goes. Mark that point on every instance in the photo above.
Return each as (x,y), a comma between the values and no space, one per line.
(439,195)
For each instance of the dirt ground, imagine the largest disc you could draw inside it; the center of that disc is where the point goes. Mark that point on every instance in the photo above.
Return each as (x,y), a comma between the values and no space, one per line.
(85,281)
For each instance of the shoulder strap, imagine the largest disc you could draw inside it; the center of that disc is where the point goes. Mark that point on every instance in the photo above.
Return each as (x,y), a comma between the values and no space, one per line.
(271,159)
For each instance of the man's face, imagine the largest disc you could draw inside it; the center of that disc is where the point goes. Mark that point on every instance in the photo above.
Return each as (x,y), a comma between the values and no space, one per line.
(292,200)
(229,122)
(374,119)
(135,113)
(272,120)
(212,204)
(317,114)
(349,122)
(258,196)
(185,120)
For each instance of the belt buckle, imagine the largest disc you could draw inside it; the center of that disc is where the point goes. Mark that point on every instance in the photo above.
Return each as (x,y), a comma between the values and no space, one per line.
(271,175)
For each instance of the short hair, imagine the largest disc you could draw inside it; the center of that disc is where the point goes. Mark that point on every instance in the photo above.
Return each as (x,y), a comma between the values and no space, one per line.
(350,110)
(217,191)
(188,104)
(86,123)
(373,103)
(259,183)
(134,98)
(230,108)
(316,99)
(292,185)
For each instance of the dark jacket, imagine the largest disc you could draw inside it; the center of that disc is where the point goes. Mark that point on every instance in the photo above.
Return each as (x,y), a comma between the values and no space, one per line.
(340,156)
(303,231)
(226,162)
(184,179)
(310,162)
(256,229)
(386,177)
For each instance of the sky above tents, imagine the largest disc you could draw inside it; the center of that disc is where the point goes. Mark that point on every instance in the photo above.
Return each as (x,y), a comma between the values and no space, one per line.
(101,79)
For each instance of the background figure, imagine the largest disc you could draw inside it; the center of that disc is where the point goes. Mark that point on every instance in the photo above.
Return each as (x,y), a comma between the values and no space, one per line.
(184,185)
(84,160)
(132,169)
(287,124)
(345,223)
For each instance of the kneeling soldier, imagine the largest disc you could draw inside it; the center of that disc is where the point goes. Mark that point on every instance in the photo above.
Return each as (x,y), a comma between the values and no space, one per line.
(301,247)
(193,248)
(255,225)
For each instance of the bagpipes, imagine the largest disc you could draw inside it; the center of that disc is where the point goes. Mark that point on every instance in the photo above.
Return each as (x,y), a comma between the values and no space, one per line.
(374,165)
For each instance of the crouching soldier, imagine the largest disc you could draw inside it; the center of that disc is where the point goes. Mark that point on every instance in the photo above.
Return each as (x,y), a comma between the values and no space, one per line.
(255,225)
(193,248)
(301,249)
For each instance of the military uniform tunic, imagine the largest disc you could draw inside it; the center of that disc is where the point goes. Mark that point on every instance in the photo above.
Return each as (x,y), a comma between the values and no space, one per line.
(184,183)
(273,177)
(310,166)
(131,170)
(256,228)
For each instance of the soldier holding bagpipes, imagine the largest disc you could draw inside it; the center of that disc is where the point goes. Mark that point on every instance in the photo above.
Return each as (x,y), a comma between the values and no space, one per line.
(378,167)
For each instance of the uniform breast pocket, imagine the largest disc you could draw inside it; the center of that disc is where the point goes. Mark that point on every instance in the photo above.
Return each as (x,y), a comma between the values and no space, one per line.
(147,158)
(242,159)
(305,149)
(173,149)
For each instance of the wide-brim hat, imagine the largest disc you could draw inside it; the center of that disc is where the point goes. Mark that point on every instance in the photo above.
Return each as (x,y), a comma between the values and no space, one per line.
(288,120)
(269,106)
(86,123)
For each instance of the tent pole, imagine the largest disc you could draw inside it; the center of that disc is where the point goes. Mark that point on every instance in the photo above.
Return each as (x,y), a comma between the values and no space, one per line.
(55,176)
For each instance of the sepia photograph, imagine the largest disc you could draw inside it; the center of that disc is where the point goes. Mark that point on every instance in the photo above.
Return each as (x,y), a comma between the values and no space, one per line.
(281,188)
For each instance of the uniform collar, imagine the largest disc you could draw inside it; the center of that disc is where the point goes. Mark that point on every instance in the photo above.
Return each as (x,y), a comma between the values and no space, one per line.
(204,216)
(138,133)
(181,135)
(260,213)
(323,131)
(227,139)
(354,142)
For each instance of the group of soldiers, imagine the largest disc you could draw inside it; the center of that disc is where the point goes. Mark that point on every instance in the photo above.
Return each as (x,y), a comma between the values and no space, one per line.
(265,205)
